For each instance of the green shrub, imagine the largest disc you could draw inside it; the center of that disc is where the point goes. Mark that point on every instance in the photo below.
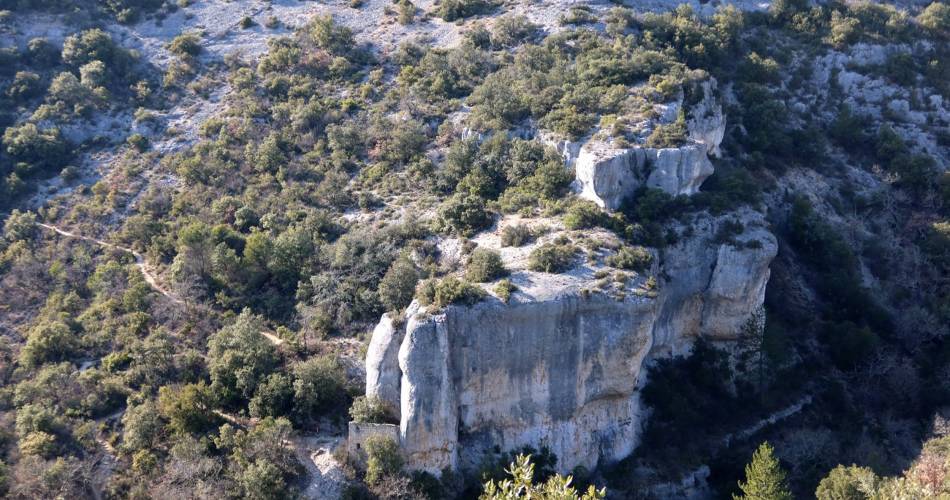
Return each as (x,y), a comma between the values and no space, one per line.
(848,483)
(138,141)
(449,290)
(25,85)
(584,214)
(552,257)
(634,258)
(484,265)
(383,459)
(319,387)
(370,410)
(42,53)
(465,214)
(670,135)
(186,44)
(936,18)
(41,147)
(398,285)
(407,11)
(504,289)
(451,10)
(511,30)
(516,235)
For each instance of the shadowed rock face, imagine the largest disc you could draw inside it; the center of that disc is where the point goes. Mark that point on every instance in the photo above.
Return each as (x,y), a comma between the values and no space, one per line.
(562,369)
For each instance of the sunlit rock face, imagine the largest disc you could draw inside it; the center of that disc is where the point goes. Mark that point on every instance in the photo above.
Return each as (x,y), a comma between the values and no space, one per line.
(560,366)
(607,175)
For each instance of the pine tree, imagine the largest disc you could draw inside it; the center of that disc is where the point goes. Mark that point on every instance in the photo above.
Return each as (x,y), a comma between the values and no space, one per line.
(765,478)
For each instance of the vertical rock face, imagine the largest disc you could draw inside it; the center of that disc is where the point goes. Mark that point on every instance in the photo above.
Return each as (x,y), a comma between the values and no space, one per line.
(382,364)
(560,373)
(706,124)
(678,170)
(606,175)
(562,370)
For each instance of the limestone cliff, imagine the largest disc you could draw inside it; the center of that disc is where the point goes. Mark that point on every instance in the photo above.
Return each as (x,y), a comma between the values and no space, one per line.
(607,174)
(560,364)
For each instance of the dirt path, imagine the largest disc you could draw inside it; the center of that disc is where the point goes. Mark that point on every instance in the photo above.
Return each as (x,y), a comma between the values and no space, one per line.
(105,465)
(147,272)
(771,419)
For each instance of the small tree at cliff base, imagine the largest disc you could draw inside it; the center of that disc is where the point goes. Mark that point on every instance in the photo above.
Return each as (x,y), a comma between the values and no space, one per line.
(764,477)
(521,485)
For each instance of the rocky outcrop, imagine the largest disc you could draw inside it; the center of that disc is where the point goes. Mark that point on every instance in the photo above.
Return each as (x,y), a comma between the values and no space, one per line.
(382,364)
(714,289)
(561,367)
(607,175)
(706,123)
(560,373)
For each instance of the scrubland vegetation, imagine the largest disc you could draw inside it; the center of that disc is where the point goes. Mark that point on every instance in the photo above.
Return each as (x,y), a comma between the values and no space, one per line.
(264,231)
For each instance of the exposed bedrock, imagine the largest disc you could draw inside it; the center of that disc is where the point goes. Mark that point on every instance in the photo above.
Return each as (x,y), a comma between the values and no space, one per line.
(382,364)
(562,369)
(607,175)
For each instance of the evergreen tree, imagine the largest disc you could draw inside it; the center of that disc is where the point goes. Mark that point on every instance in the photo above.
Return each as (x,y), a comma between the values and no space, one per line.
(765,478)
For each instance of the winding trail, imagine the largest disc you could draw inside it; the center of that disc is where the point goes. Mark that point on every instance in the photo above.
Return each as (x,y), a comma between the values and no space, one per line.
(314,452)
(147,271)
(771,419)
(150,277)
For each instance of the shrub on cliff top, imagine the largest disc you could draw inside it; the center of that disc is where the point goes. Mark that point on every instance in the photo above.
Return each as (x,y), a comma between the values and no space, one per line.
(447,291)
(552,257)
(485,265)
(399,284)
(634,258)
(370,410)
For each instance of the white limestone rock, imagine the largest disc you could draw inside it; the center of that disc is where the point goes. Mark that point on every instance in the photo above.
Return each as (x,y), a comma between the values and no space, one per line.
(560,373)
(607,175)
(559,365)
(678,170)
(706,123)
(569,150)
(382,364)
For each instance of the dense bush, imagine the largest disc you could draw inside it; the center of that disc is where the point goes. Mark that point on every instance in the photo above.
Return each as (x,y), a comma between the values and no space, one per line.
(584,214)
(398,286)
(449,290)
(504,289)
(553,257)
(516,235)
(370,410)
(382,459)
(451,10)
(484,265)
(668,135)
(465,214)
(186,44)
(634,258)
